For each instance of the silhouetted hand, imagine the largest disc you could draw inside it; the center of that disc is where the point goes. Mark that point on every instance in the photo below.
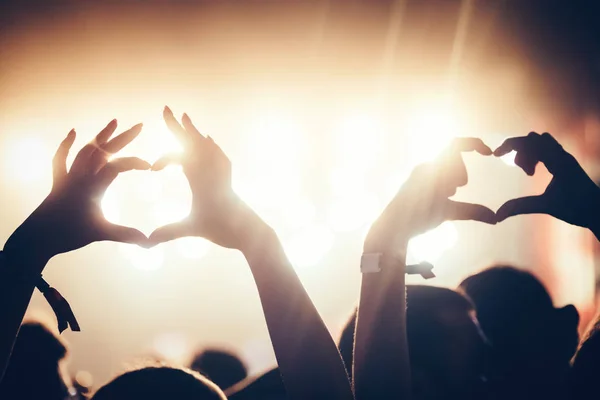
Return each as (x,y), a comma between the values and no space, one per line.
(423,201)
(71,217)
(217,213)
(571,195)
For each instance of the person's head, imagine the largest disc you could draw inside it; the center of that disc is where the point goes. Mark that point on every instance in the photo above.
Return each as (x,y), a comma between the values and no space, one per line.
(517,315)
(160,383)
(585,372)
(220,366)
(34,369)
(446,347)
(268,386)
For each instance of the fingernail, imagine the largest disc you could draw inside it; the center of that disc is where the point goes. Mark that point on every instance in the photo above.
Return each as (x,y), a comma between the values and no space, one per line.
(168,110)
(137,126)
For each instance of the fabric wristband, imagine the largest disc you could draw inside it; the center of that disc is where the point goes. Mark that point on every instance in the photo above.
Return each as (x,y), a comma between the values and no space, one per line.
(374,262)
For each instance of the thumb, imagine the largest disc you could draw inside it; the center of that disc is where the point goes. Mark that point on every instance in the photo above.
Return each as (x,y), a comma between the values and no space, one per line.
(165,161)
(171,232)
(520,206)
(457,211)
(125,234)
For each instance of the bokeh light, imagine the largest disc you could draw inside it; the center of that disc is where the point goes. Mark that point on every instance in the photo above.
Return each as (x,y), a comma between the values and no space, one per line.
(509,159)
(172,346)
(143,259)
(309,246)
(110,204)
(270,173)
(431,128)
(431,245)
(358,141)
(28,159)
(192,248)
(350,213)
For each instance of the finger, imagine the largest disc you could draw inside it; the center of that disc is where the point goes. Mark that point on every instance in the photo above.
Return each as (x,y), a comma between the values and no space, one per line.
(171,232)
(109,173)
(517,144)
(457,211)
(189,126)
(521,206)
(116,144)
(106,133)
(103,153)
(59,163)
(175,127)
(163,162)
(526,162)
(82,161)
(463,144)
(124,234)
(554,157)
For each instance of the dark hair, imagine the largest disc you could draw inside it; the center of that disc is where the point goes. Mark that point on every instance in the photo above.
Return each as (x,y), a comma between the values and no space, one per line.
(585,372)
(222,367)
(428,310)
(532,341)
(33,370)
(505,296)
(513,306)
(160,383)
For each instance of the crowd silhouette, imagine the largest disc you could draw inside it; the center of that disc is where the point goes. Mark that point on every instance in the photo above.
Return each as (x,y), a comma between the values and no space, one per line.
(497,336)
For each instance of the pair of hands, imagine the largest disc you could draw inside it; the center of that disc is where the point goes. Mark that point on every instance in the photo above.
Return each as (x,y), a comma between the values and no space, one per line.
(71,216)
(423,202)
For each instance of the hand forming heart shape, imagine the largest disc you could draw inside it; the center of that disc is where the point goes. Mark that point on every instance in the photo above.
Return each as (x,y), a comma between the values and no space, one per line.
(571,195)
(70,217)
(423,202)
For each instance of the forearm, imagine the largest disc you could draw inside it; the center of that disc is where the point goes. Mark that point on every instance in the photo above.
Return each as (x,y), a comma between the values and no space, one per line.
(381,359)
(308,358)
(17,282)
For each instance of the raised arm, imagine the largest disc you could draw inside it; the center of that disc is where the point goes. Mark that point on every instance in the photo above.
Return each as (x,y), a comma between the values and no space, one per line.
(68,219)
(381,359)
(571,195)
(308,359)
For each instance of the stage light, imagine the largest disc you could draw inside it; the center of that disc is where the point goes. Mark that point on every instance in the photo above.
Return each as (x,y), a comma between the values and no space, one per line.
(155,141)
(149,187)
(352,212)
(346,181)
(270,172)
(110,205)
(172,346)
(28,159)
(431,245)
(358,141)
(308,247)
(193,248)
(143,259)
(298,213)
(509,159)
(430,130)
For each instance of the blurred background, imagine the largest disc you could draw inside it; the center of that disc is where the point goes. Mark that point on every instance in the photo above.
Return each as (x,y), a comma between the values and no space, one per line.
(323,107)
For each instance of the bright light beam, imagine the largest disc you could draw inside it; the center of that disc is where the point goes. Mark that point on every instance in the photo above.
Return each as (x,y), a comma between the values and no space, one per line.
(431,245)
(309,246)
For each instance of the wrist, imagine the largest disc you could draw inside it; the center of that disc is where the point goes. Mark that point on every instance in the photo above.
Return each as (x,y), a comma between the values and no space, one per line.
(22,263)
(261,241)
(380,240)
